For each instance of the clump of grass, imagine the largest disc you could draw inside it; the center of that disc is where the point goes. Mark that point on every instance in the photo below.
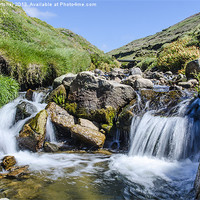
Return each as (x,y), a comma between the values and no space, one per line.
(175,55)
(9,90)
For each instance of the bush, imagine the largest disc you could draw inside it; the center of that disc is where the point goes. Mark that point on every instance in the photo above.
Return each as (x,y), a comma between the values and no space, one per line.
(9,90)
(175,55)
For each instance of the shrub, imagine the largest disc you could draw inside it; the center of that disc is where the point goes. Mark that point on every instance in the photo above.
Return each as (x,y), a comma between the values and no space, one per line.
(9,90)
(175,55)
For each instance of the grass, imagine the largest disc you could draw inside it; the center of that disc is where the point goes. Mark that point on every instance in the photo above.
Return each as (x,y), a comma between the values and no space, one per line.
(37,52)
(9,90)
(175,55)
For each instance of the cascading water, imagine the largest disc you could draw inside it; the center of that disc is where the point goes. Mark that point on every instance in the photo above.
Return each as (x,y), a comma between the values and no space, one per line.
(157,166)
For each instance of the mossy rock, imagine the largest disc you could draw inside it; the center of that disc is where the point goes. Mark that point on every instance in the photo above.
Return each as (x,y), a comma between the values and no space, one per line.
(33,133)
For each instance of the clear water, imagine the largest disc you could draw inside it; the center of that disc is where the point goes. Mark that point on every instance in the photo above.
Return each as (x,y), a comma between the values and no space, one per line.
(165,173)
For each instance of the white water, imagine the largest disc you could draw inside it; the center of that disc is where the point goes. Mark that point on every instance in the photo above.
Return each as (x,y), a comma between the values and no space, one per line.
(156,145)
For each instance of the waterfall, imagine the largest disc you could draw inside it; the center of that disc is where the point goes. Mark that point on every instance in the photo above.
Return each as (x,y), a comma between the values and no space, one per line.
(175,137)
(50,133)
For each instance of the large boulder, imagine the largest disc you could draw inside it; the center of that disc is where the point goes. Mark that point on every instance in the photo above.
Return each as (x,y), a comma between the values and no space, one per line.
(143,83)
(66,77)
(88,124)
(192,68)
(131,80)
(88,135)
(60,118)
(32,135)
(93,93)
(56,93)
(24,109)
(135,71)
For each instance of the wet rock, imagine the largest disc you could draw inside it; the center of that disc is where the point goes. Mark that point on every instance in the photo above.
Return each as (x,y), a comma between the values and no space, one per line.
(169,73)
(60,118)
(24,109)
(143,83)
(18,171)
(88,135)
(185,84)
(29,95)
(50,147)
(66,77)
(131,80)
(33,133)
(197,184)
(194,82)
(8,162)
(88,124)
(59,91)
(135,71)
(192,68)
(93,93)
(98,72)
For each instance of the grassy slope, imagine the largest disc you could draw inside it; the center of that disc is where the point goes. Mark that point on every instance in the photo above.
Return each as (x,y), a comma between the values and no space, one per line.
(34,52)
(148,46)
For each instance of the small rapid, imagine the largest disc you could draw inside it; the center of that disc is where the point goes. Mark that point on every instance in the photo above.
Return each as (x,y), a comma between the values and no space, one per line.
(161,163)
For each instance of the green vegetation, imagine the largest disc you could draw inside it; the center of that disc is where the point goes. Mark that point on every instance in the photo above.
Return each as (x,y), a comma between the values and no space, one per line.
(197,87)
(59,99)
(175,55)
(173,47)
(36,52)
(9,90)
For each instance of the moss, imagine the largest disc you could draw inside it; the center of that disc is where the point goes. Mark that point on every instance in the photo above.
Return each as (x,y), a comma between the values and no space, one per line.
(107,128)
(71,108)
(106,115)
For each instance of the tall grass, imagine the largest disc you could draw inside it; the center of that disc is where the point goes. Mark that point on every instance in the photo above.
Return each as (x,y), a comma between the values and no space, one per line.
(175,55)
(8,90)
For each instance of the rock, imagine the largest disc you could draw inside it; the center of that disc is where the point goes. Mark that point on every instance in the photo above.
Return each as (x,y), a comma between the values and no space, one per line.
(91,93)
(197,184)
(29,95)
(60,118)
(66,77)
(131,80)
(17,172)
(169,73)
(24,109)
(33,133)
(88,135)
(192,68)
(143,83)
(50,147)
(98,72)
(8,162)
(194,82)
(185,84)
(68,80)
(59,91)
(88,124)
(135,71)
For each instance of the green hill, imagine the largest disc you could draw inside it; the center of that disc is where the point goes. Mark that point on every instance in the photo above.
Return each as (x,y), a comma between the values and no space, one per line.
(34,53)
(149,47)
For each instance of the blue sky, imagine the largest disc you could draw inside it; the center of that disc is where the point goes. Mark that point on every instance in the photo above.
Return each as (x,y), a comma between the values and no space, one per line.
(113,23)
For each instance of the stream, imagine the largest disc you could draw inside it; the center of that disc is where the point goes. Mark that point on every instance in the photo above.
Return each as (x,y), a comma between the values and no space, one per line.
(161,164)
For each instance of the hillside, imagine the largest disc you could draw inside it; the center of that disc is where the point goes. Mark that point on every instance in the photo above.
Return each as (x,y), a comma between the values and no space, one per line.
(149,46)
(34,52)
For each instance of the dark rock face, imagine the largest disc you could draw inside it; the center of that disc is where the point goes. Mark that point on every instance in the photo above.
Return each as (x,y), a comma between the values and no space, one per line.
(94,93)
(24,109)
(29,95)
(33,133)
(192,68)
(50,147)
